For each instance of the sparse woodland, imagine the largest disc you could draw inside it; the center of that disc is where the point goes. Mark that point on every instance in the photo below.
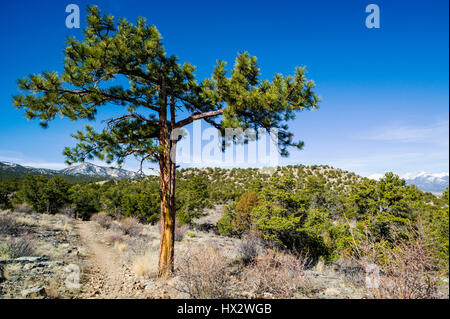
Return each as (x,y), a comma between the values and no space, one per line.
(300,217)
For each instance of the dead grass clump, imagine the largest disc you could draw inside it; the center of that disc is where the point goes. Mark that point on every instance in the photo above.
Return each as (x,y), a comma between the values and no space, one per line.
(113,236)
(68,211)
(180,232)
(52,290)
(8,226)
(103,219)
(20,247)
(131,226)
(67,227)
(203,273)
(120,246)
(405,269)
(23,208)
(279,274)
(249,248)
(146,265)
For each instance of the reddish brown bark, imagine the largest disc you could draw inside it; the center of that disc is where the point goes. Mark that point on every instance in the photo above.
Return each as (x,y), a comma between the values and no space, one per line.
(167,183)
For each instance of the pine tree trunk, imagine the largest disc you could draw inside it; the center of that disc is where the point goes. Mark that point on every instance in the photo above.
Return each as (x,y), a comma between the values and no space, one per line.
(167,184)
(166,251)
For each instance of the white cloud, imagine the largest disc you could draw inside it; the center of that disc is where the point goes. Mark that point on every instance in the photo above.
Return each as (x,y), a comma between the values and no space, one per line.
(376,176)
(436,133)
(18,158)
(35,164)
(412,175)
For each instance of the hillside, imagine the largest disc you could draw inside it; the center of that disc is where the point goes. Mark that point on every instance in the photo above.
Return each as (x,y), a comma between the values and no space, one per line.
(229,184)
(236,178)
(290,232)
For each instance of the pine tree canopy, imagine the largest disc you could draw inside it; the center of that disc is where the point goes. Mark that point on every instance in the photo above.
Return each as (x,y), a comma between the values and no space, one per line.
(94,70)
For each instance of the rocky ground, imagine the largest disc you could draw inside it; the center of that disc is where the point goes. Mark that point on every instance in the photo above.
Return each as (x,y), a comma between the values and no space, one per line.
(78,259)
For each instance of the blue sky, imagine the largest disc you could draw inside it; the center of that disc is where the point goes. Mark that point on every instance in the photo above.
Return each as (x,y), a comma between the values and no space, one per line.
(384,91)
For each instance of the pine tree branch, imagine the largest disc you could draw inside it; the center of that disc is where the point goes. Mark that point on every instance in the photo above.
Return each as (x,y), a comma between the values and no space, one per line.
(197,116)
(114,121)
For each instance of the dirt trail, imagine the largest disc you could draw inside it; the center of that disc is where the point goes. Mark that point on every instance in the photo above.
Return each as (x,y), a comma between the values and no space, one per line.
(107,277)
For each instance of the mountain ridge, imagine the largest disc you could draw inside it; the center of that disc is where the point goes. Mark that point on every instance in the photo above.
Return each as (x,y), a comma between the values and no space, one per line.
(428,182)
(8,169)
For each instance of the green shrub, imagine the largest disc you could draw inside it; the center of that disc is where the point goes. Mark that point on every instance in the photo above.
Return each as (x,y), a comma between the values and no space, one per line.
(225,224)
(192,199)
(44,195)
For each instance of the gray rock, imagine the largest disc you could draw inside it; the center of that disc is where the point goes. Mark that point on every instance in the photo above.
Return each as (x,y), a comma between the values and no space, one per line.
(23,260)
(30,259)
(35,292)
(50,264)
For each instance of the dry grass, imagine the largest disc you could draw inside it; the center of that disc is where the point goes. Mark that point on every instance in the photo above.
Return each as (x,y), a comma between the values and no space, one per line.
(8,226)
(180,232)
(131,226)
(203,273)
(103,219)
(52,289)
(113,236)
(67,227)
(275,274)
(23,208)
(68,211)
(20,247)
(26,221)
(406,270)
(120,246)
(249,248)
(147,264)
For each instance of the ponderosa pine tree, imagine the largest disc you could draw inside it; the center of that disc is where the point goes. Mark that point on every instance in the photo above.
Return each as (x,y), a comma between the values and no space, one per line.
(158,91)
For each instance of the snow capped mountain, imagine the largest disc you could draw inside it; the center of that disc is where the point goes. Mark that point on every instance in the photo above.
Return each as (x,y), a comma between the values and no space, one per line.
(85,169)
(428,182)
(424,175)
(9,164)
(44,171)
(88,169)
(9,168)
(434,183)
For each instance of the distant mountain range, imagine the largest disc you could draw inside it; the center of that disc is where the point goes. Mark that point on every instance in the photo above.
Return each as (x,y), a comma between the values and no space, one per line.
(88,169)
(83,170)
(427,182)
(433,183)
